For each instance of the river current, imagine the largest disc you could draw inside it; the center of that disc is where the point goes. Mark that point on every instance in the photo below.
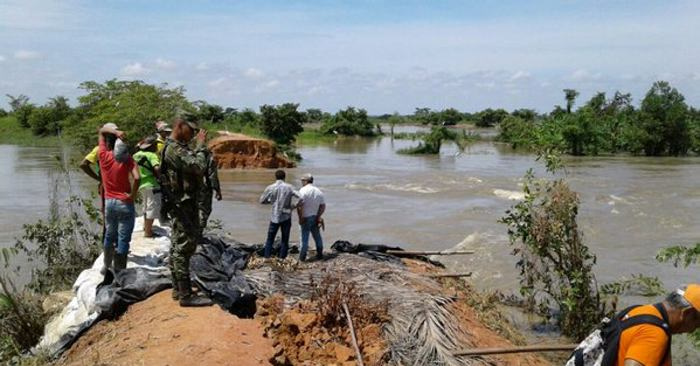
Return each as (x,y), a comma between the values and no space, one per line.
(631,206)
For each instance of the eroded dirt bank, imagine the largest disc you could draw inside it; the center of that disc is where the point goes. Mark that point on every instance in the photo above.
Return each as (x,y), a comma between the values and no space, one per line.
(234,150)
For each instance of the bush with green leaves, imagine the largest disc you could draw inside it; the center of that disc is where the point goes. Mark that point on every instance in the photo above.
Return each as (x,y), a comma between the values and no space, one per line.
(60,247)
(432,142)
(556,267)
(282,123)
(349,122)
(664,125)
(133,105)
(490,117)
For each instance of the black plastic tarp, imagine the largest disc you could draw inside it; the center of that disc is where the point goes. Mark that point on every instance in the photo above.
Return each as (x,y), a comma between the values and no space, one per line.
(216,269)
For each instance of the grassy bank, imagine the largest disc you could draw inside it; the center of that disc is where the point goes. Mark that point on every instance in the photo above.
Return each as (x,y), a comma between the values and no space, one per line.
(11,133)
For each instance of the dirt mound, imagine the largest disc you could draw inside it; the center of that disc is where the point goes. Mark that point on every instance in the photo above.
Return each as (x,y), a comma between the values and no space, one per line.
(158,331)
(233,150)
(316,332)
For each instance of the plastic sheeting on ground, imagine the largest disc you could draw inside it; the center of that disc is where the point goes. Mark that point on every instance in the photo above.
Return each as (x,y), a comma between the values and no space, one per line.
(216,268)
(84,310)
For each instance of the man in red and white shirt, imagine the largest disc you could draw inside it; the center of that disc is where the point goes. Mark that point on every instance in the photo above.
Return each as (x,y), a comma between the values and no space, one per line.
(120,181)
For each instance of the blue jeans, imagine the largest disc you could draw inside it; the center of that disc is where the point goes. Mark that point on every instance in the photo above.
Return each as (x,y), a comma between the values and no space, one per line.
(310,226)
(286,227)
(119,224)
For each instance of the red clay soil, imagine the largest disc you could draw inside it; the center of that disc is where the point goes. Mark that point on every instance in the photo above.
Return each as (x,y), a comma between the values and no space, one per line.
(158,331)
(234,150)
(301,339)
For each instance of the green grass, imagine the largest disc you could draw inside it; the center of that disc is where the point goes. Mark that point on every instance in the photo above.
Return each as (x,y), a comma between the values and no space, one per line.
(234,128)
(11,133)
(313,136)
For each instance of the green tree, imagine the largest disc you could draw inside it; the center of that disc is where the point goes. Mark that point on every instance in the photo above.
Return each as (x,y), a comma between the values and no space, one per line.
(349,122)
(282,123)
(450,117)
(314,115)
(48,120)
(424,116)
(211,113)
(664,121)
(491,117)
(525,114)
(133,105)
(570,96)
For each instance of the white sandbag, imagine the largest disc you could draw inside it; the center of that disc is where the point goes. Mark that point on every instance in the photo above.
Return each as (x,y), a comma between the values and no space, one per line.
(81,312)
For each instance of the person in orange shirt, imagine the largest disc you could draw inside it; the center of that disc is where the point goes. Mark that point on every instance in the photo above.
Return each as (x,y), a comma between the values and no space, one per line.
(650,345)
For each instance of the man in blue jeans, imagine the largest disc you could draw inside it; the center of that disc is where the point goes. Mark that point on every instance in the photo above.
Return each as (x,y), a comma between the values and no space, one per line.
(310,212)
(280,195)
(116,168)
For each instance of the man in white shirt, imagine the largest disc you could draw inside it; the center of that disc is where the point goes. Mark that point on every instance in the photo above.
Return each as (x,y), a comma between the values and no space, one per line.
(310,212)
(279,195)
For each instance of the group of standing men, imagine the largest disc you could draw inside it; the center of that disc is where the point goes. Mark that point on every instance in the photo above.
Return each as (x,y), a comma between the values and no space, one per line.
(177,177)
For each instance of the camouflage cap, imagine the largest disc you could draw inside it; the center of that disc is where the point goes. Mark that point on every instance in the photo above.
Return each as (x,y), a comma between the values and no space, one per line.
(188,118)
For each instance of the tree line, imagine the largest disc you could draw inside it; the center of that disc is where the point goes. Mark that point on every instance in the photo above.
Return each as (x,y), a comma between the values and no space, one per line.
(663,124)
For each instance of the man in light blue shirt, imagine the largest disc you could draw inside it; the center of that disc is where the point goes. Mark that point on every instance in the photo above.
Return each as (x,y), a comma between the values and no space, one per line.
(280,195)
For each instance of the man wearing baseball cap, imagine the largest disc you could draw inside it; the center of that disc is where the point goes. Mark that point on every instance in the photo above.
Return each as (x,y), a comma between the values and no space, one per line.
(120,181)
(650,345)
(163,130)
(182,175)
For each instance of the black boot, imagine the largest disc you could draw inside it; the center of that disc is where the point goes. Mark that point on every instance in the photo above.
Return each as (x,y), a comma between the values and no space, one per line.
(119,262)
(176,289)
(108,257)
(188,299)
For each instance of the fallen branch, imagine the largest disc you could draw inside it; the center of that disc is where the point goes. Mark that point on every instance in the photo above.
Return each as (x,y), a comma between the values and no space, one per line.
(524,349)
(354,337)
(448,275)
(428,252)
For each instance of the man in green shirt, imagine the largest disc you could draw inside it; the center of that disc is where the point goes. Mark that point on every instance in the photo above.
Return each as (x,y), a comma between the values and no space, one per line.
(149,167)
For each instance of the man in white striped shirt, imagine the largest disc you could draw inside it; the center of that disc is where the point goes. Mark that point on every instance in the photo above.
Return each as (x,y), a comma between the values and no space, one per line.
(280,195)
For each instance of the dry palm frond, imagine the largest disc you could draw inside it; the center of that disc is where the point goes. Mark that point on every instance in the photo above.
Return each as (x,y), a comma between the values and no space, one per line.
(422,330)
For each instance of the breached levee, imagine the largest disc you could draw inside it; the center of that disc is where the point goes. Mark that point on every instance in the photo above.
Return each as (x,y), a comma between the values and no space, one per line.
(235,151)
(427,321)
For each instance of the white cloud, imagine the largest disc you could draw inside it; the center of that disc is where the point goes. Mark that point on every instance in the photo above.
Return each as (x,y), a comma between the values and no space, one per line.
(202,66)
(217,82)
(582,75)
(254,73)
(164,64)
(135,69)
(520,75)
(2,58)
(26,55)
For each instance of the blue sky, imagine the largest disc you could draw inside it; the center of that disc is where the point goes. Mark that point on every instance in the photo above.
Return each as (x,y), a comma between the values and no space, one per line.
(384,56)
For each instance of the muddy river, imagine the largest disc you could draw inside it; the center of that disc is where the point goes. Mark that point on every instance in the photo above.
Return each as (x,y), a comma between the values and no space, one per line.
(631,206)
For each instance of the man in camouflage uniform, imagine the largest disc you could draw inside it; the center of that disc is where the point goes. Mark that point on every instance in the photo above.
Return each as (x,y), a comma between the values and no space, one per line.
(182,172)
(209,187)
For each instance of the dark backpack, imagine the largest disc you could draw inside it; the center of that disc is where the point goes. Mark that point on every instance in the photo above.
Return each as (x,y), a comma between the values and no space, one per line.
(611,332)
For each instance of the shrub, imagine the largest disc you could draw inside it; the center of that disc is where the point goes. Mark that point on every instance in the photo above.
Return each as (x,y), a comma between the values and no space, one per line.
(349,122)
(556,267)
(133,105)
(432,142)
(282,123)
(490,117)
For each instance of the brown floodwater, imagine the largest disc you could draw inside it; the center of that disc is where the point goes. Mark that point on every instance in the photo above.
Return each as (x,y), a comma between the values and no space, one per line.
(631,206)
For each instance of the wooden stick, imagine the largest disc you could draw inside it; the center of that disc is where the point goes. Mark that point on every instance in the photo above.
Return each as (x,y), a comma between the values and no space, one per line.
(428,252)
(449,275)
(524,349)
(352,334)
